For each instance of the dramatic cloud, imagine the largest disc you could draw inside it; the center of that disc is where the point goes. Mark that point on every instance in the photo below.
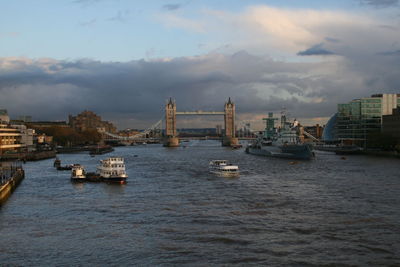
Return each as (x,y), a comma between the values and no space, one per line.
(133,94)
(285,32)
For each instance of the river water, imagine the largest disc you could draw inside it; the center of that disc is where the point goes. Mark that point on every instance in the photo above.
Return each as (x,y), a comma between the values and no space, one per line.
(328,211)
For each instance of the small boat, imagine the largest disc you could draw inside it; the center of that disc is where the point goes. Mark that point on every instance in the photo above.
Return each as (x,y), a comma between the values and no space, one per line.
(223,168)
(57,162)
(112,170)
(78,173)
(57,165)
(65,168)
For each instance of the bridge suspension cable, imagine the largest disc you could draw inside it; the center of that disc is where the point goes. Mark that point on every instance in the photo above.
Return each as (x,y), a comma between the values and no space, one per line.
(153,127)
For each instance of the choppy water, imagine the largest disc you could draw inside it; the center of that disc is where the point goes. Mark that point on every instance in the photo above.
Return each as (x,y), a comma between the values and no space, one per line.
(328,211)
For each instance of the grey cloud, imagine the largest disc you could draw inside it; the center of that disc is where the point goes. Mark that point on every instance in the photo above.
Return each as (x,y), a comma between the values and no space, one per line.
(316,50)
(132,94)
(332,40)
(121,16)
(388,27)
(380,3)
(171,7)
(390,53)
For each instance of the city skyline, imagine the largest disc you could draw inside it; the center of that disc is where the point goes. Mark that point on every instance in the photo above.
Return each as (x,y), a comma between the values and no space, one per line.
(123,60)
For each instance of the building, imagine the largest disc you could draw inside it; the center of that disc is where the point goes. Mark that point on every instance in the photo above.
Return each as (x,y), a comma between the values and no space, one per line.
(10,138)
(88,120)
(315,131)
(361,117)
(391,124)
(28,137)
(4,118)
(25,118)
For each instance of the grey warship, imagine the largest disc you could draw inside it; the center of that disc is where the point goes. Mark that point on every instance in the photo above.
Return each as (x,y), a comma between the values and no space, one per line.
(283,142)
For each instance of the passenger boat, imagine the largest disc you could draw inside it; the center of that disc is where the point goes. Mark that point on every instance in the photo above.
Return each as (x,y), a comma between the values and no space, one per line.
(78,173)
(223,168)
(112,170)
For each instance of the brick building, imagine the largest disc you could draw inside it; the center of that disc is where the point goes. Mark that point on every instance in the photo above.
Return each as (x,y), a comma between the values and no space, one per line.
(89,120)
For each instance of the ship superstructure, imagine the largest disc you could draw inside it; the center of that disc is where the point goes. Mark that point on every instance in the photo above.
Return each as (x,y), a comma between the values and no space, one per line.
(283,142)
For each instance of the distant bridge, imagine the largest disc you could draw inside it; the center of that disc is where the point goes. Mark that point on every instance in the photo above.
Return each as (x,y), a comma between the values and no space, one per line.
(229,137)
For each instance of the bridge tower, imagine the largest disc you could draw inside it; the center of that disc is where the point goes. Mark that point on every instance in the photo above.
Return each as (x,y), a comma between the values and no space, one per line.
(171,139)
(229,138)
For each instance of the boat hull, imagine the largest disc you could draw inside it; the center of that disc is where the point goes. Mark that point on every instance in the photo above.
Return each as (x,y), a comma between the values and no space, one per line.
(341,150)
(225,174)
(120,180)
(301,152)
(78,180)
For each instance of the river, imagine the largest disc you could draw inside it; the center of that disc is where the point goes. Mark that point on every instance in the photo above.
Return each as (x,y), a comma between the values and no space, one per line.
(327,211)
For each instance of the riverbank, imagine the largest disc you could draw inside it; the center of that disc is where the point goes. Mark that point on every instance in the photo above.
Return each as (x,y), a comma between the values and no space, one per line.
(9,184)
(29,156)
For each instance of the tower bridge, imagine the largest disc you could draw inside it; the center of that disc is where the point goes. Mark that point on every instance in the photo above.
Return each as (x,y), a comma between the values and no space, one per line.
(171,138)
(171,134)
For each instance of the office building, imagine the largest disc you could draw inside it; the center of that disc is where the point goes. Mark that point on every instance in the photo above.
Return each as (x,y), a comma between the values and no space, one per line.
(361,117)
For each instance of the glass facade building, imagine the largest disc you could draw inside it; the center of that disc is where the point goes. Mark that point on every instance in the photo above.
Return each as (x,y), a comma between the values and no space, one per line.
(360,117)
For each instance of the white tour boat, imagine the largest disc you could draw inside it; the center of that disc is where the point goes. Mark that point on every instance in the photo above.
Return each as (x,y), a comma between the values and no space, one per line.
(112,170)
(223,168)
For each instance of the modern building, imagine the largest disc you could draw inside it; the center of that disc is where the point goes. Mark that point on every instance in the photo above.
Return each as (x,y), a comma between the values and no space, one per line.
(89,120)
(391,124)
(360,117)
(329,132)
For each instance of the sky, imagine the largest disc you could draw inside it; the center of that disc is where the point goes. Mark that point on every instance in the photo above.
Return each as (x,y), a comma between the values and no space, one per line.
(123,59)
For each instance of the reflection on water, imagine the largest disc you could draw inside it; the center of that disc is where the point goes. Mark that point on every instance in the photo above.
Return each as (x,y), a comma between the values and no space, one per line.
(172,211)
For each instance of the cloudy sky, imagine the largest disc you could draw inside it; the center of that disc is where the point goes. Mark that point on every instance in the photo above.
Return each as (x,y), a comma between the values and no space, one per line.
(123,59)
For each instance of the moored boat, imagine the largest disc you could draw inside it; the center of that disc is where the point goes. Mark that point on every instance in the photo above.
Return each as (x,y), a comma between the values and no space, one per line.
(341,149)
(284,142)
(223,168)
